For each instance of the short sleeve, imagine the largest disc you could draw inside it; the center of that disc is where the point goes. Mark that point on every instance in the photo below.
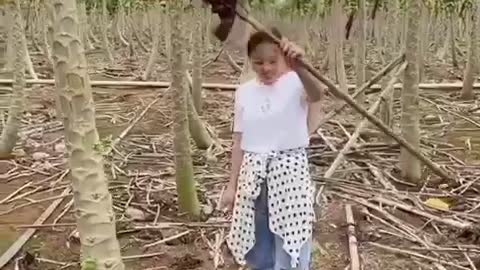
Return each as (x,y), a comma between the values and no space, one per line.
(237,113)
(297,84)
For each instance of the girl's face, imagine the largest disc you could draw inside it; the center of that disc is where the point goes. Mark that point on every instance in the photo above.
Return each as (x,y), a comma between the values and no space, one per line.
(268,62)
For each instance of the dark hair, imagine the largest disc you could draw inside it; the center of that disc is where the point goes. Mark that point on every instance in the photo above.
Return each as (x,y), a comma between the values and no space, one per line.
(260,37)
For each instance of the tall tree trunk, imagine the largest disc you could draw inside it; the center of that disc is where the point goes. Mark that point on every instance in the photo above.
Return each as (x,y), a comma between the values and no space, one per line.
(411,166)
(187,194)
(423,41)
(93,202)
(197,66)
(471,68)
(103,26)
(10,130)
(167,25)
(11,44)
(155,44)
(339,38)
(82,16)
(452,40)
(360,47)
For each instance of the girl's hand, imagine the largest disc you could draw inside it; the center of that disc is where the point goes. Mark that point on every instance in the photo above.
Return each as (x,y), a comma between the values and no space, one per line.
(292,51)
(228,199)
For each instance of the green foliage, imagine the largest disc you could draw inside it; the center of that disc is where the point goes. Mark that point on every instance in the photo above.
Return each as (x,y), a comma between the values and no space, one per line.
(113,5)
(104,147)
(89,264)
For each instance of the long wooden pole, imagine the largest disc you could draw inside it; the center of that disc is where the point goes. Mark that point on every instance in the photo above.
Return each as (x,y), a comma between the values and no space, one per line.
(348,99)
(452,86)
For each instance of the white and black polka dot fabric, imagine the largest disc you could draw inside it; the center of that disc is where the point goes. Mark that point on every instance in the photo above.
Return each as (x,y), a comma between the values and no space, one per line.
(290,201)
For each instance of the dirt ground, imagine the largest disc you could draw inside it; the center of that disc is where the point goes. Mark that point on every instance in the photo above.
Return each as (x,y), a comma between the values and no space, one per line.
(150,159)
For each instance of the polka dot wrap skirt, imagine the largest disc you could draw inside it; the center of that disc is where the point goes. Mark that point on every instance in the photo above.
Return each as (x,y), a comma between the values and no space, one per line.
(290,201)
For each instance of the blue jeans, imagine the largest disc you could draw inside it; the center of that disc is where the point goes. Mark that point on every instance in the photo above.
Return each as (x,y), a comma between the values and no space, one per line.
(267,253)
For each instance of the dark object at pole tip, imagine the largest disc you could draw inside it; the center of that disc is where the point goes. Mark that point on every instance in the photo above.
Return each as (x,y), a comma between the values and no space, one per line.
(225,9)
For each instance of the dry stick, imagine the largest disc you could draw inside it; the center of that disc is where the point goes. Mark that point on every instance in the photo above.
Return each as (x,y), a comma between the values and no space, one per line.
(340,94)
(164,240)
(34,202)
(352,240)
(377,77)
(455,86)
(15,247)
(6,199)
(411,209)
(134,122)
(373,109)
(415,254)
(407,228)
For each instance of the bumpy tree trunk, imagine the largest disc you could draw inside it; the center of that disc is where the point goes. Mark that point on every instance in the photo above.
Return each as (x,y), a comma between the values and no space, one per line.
(10,130)
(411,166)
(471,68)
(93,202)
(187,194)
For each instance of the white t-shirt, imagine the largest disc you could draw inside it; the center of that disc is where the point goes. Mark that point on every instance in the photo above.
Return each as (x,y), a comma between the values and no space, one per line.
(271,117)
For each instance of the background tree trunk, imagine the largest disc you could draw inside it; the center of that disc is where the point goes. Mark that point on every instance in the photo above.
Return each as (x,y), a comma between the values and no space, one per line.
(411,166)
(93,202)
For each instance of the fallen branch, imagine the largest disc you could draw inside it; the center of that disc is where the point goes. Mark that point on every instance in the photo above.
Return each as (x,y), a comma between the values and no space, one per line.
(465,225)
(418,255)
(164,240)
(451,86)
(352,240)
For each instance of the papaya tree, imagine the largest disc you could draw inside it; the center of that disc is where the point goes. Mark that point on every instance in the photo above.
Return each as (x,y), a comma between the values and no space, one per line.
(410,125)
(186,189)
(92,200)
(471,68)
(9,136)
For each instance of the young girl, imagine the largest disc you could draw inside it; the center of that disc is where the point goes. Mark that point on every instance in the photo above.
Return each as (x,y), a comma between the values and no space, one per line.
(270,192)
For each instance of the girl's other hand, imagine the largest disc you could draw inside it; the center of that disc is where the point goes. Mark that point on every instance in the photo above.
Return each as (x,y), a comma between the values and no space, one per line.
(228,199)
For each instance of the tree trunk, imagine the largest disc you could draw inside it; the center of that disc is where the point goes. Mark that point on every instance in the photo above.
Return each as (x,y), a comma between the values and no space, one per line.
(360,47)
(411,166)
(452,40)
(93,202)
(167,26)
(10,130)
(471,68)
(197,129)
(82,16)
(339,38)
(11,44)
(103,26)
(155,44)
(197,67)
(187,194)
(423,41)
